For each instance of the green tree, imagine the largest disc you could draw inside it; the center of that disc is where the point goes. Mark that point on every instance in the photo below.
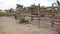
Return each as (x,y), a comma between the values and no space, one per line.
(19,6)
(58,3)
(32,9)
(11,10)
(26,10)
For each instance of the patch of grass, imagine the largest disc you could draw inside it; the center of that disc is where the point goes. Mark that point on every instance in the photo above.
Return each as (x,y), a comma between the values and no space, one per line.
(23,21)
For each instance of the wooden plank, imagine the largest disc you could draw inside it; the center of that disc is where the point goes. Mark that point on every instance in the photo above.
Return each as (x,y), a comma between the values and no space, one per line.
(43,18)
(57,24)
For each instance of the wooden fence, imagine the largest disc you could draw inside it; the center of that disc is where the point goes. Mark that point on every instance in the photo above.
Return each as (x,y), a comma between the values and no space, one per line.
(39,18)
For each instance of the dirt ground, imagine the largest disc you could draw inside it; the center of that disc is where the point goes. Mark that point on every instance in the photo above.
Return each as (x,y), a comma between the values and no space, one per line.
(8,26)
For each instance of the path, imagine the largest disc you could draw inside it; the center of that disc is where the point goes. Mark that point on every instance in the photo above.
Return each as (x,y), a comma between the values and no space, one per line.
(8,26)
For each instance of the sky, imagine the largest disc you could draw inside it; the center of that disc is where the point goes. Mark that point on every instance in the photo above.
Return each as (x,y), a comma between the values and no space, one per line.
(6,4)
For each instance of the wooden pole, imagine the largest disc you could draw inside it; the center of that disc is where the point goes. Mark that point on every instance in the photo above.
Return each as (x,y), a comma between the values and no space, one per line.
(46,13)
(52,21)
(39,12)
(31,18)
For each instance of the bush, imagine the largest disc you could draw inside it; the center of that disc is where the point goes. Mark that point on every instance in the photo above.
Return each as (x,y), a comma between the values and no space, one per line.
(23,21)
(58,31)
(2,14)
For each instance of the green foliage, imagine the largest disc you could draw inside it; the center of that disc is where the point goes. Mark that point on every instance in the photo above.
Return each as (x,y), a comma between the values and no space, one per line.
(27,10)
(58,31)
(23,21)
(58,3)
(19,6)
(11,10)
(2,13)
(31,9)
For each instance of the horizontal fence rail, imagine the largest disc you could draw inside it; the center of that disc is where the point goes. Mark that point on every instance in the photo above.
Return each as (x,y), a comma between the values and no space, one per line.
(43,18)
(37,17)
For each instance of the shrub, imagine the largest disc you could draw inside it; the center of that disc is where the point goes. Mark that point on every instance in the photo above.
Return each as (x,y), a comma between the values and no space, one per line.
(2,14)
(58,31)
(23,21)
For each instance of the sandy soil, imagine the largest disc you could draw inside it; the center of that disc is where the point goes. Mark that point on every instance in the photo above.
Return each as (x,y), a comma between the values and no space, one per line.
(8,26)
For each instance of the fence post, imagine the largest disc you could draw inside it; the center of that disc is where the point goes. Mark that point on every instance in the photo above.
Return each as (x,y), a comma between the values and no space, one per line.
(31,18)
(24,16)
(52,21)
(39,14)
(38,22)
